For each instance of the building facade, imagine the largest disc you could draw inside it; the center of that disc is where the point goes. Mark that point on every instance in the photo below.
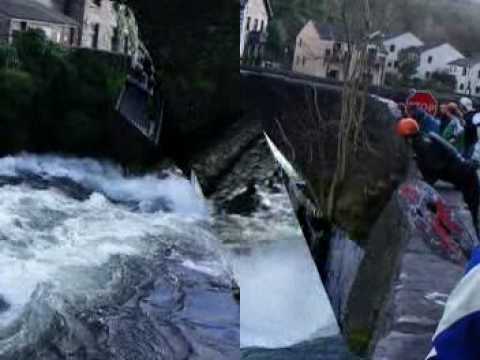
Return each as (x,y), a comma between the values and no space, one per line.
(321,50)
(394,44)
(436,58)
(254,18)
(96,24)
(467,74)
(22,15)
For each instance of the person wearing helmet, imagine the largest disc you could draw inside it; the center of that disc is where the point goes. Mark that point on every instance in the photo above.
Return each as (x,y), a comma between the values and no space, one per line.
(472,122)
(427,122)
(439,160)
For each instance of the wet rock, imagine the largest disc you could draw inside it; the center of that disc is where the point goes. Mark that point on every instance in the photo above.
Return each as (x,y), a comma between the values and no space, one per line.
(245,203)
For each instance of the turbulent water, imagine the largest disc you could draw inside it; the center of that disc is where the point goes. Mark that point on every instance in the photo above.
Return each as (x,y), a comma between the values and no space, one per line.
(285,311)
(96,265)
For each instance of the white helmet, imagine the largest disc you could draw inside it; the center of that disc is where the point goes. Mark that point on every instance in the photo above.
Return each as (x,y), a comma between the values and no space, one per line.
(466,103)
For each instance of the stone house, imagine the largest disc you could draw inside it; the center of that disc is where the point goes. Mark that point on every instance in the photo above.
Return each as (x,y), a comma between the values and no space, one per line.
(254,18)
(394,44)
(22,15)
(322,50)
(467,73)
(99,24)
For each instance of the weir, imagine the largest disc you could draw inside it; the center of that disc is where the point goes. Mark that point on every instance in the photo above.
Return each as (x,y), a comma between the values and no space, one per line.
(371,238)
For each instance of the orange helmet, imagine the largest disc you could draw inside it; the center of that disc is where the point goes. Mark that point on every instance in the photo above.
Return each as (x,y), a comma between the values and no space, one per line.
(407,127)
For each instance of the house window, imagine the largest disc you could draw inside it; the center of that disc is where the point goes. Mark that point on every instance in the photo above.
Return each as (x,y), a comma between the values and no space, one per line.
(479,74)
(430,59)
(23,26)
(477,90)
(300,42)
(255,25)
(328,52)
(337,47)
(115,39)
(395,65)
(392,48)
(71,36)
(304,61)
(389,64)
(249,20)
(97,2)
(95,35)
(462,87)
(262,25)
(427,74)
(126,45)
(464,73)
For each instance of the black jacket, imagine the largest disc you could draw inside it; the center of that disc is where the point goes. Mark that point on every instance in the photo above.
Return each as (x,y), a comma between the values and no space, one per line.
(439,160)
(471,136)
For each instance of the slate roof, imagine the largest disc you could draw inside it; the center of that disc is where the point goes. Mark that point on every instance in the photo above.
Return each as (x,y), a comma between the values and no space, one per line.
(470,61)
(32,10)
(330,31)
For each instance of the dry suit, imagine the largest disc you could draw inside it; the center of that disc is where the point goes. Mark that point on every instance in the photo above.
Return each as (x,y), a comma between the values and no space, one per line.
(439,160)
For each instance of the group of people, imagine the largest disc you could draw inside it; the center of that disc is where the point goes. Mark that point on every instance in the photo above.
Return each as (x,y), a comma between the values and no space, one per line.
(457,123)
(446,148)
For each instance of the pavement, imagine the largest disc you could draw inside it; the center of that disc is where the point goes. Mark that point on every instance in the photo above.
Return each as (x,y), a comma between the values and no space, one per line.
(420,292)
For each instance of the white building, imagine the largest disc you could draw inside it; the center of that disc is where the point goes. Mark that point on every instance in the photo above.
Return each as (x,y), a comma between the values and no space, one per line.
(321,50)
(254,17)
(467,73)
(436,59)
(396,43)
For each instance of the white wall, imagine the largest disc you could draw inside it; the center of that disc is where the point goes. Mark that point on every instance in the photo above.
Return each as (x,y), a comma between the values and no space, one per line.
(403,41)
(256,11)
(467,83)
(441,56)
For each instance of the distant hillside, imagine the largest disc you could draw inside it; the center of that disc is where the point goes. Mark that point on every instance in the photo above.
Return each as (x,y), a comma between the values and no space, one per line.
(291,15)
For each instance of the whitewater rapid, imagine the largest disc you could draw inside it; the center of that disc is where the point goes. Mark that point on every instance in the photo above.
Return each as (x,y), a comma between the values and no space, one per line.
(79,241)
(283,301)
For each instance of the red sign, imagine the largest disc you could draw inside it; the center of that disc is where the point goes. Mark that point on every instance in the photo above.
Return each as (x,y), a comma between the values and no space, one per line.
(424,100)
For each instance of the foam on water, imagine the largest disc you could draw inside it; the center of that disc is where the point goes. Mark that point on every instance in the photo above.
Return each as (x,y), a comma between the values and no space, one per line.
(283,301)
(108,179)
(51,241)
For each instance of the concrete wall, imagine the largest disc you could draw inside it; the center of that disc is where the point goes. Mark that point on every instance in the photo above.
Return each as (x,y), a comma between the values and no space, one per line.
(395,45)
(441,56)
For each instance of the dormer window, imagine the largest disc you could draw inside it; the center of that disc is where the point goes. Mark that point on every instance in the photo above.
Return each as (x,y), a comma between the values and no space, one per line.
(392,48)
(430,59)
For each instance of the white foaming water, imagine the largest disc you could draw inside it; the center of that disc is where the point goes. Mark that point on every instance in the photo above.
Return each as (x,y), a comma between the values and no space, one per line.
(108,179)
(283,301)
(50,240)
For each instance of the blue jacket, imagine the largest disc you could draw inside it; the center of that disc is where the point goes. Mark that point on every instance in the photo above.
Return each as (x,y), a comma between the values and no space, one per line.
(426,121)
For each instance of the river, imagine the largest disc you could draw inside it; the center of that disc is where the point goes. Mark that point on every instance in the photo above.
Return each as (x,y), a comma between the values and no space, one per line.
(98,265)
(285,311)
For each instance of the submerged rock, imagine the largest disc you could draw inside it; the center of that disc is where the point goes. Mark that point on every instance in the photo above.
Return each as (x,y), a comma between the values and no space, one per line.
(245,203)
(4,306)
